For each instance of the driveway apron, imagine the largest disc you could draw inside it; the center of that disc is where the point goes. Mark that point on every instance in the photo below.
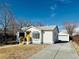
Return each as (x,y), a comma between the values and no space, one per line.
(57,51)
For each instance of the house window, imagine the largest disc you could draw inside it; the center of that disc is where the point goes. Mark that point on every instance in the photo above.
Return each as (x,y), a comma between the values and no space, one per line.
(21,34)
(36,35)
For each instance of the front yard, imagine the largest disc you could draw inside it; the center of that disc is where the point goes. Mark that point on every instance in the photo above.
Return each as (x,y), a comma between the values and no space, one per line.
(76,43)
(20,52)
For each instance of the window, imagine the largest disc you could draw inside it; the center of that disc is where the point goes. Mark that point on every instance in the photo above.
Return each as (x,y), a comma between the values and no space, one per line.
(36,35)
(21,34)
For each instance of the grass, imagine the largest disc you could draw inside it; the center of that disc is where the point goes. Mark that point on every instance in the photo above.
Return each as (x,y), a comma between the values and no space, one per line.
(76,43)
(76,47)
(19,52)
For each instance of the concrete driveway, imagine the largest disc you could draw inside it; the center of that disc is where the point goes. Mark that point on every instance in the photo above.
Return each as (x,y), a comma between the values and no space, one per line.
(57,51)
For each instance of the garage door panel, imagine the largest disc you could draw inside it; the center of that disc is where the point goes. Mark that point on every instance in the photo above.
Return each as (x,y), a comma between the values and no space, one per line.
(47,37)
(63,37)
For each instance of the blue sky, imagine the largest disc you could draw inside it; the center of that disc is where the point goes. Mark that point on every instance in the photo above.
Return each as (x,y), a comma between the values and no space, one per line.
(46,11)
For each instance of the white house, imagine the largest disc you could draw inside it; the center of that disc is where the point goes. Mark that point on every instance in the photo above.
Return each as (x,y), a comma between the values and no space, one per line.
(63,36)
(43,34)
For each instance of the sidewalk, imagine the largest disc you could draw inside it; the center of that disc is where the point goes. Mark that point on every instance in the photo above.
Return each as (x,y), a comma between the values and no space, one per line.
(7,46)
(57,51)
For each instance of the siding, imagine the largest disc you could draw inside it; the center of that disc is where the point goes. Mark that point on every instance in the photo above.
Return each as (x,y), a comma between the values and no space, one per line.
(35,41)
(48,37)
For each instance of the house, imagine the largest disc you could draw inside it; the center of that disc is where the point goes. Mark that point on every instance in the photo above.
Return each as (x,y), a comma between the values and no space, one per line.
(43,34)
(63,36)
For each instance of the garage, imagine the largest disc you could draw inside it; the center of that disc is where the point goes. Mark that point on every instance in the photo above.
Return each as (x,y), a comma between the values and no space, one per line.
(63,36)
(48,37)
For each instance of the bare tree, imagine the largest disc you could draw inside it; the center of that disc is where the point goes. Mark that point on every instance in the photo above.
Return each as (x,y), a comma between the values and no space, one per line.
(39,24)
(70,27)
(23,23)
(12,25)
(6,17)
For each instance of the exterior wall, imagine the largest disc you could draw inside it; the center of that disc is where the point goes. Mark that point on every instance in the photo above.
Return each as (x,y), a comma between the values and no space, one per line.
(63,37)
(55,35)
(48,37)
(35,41)
(17,37)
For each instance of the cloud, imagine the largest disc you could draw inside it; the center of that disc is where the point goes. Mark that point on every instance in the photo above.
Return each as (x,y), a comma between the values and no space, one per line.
(65,1)
(53,14)
(53,7)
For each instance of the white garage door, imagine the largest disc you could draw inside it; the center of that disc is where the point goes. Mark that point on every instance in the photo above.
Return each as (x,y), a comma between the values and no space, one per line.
(64,37)
(48,37)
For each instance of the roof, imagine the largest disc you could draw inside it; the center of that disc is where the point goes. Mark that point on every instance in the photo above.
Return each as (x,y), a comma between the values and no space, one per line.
(47,27)
(41,27)
(63,33)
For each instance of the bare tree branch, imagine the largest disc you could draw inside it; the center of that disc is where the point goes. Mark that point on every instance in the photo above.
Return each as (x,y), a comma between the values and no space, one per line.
(23,23)
(7,18)
(39,24)
(70,27)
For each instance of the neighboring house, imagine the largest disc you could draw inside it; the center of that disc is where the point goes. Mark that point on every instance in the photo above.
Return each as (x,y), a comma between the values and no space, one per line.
(63,36)
(43,34)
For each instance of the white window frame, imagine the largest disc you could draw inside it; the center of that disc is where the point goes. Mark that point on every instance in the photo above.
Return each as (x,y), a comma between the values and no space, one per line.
(35,35)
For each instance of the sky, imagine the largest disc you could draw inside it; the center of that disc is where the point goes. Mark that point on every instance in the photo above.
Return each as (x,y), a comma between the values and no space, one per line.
(48,12)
